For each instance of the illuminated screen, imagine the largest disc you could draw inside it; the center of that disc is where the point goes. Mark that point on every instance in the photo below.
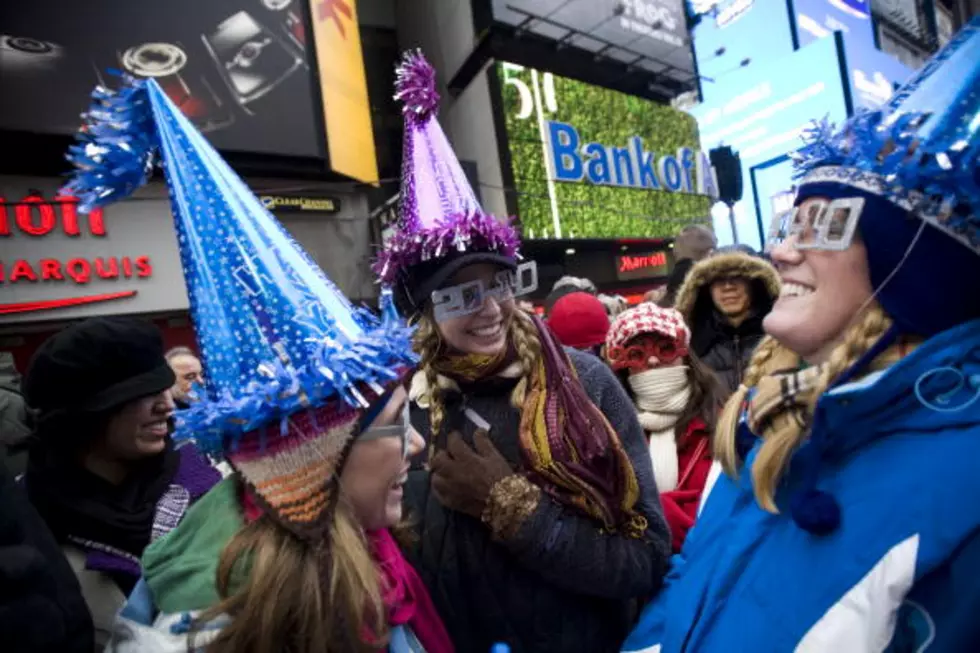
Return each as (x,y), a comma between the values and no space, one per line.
(872,73)
(645,190)
(757,30)
(764,112)
(816,19)
(773,182)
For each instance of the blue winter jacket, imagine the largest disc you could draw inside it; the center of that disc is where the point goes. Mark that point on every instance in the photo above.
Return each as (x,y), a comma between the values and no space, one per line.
(901,572)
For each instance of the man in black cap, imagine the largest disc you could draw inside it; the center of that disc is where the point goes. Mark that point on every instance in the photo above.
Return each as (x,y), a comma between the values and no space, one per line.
(105,474)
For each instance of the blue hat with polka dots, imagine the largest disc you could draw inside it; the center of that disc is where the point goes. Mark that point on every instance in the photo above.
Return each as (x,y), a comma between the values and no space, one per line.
(276,335)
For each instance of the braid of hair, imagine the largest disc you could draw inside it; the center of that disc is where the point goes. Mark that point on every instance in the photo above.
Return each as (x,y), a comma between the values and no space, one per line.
(769,355)
(780,442)
(524,335)
(427,345)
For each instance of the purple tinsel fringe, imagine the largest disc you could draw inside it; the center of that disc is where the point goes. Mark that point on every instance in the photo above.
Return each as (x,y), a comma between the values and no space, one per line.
(415,85)
(474,232)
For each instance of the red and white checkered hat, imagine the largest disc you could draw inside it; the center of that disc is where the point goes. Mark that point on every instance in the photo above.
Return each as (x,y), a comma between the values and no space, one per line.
(648,318)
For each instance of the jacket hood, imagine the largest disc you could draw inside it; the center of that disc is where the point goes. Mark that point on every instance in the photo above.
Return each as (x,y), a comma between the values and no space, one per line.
(694,300)
(180,568)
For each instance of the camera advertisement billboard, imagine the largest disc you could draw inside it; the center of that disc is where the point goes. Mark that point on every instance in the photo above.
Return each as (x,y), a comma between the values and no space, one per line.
(579,173)
(239,69)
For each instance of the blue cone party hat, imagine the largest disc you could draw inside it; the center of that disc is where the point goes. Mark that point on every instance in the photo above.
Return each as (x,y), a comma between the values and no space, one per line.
(291,365)
(921,150)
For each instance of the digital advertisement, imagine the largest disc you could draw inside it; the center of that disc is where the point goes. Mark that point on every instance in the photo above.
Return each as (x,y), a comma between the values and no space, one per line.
(765,113)
(737,35)
(579,174)
(239,69)
(872,73)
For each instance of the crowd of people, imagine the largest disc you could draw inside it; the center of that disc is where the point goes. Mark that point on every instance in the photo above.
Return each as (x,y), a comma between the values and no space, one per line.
(774,453)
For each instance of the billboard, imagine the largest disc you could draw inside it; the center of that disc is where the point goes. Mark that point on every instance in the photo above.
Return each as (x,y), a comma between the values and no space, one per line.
(816,19)
(872,74)
(238,69)
(580,174)
(765,110)
(653,30)
(737,34)
(343,89)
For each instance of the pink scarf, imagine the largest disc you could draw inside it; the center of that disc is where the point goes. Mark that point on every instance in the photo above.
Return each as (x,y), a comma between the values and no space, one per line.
(404,595)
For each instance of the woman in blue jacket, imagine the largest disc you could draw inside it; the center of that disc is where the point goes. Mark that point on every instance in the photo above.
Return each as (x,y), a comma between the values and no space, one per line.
(846,518)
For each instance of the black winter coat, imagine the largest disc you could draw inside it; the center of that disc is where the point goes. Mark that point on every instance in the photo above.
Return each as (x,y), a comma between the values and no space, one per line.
(559,585)
(41,605)
(724,348)
(727,349)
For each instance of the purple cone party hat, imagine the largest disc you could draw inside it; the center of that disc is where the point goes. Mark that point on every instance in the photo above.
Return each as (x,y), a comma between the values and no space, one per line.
(292,367)
(921,150)
(439,213)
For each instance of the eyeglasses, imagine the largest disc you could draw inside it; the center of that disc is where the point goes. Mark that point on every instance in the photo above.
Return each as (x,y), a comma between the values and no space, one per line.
(636,354)
(817,223)
(401,429)
(468,298)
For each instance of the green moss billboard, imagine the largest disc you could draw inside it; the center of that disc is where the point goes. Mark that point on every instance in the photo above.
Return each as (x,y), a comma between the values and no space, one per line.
(588,162)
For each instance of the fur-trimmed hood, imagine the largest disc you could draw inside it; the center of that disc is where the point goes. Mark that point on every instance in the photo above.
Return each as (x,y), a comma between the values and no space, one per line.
(693,297)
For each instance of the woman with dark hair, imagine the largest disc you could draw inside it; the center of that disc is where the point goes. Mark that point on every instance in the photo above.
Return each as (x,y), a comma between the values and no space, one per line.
(539,524)
(677,401)
(105,474)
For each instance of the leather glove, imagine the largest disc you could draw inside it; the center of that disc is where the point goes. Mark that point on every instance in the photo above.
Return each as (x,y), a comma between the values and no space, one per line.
(462,476)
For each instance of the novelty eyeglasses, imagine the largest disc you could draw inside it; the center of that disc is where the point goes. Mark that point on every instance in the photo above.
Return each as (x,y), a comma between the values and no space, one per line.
(817,223)
(635,354)
(401,429)
(468,298)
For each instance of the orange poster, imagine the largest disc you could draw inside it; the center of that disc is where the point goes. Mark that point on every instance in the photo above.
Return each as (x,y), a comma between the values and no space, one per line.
(343,87)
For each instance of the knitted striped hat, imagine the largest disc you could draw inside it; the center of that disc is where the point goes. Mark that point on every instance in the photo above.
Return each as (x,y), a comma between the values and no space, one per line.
(292,367)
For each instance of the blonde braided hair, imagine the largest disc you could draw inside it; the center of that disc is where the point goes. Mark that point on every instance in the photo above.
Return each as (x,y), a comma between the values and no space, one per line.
(779,443)
(429,346)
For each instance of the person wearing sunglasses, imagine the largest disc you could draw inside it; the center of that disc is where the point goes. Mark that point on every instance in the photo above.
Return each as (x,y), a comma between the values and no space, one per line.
(677,401)
(538,520)
(844,519)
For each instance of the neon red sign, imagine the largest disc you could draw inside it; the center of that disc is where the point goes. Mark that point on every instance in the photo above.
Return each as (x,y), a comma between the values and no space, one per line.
(35,217)
(630,263)
(641,266)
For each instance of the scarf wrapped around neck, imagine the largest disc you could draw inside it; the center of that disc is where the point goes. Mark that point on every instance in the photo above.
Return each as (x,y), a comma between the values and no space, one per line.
(783,400)
(662,395)
(570,449)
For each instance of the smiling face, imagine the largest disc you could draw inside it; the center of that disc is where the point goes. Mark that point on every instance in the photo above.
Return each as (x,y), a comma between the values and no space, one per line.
(137,430)
(731,296)
(822,292)
(485,331)
(374,474)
